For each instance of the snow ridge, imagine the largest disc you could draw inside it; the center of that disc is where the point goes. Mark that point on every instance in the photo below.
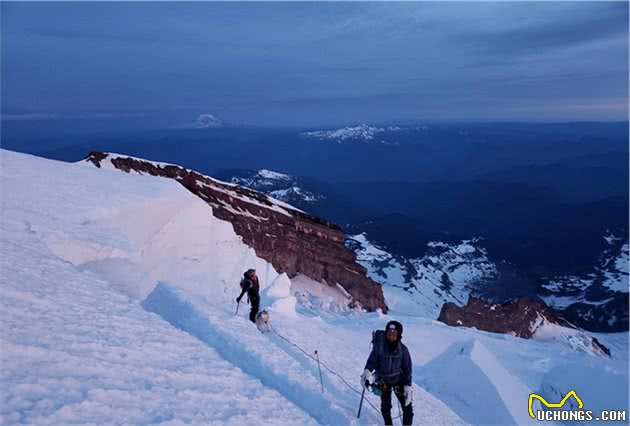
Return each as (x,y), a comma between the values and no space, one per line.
(247,349)
(231,188)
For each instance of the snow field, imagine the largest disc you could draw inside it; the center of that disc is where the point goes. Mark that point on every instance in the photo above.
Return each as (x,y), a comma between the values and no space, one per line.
(76,351)
(82,247)
(283,366)
(244,346)
(77,347)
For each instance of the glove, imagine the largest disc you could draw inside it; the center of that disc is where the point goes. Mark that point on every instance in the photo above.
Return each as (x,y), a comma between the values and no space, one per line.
(408,392)
(365,378)
(238,299)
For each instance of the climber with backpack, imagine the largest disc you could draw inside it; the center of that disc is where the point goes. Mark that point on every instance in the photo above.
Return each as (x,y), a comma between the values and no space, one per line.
(391,363)
(250,285)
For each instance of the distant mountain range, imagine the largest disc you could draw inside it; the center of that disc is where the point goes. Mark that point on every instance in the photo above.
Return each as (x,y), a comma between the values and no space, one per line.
(451,271)
(362,132)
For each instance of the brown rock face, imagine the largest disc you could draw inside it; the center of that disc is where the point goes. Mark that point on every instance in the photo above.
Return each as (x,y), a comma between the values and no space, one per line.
(517,318)
(520,318)
(292,241)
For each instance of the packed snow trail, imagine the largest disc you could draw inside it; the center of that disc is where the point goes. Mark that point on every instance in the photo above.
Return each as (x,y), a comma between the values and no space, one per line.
(77,350)
(279,365)
(74,350)
(244,346)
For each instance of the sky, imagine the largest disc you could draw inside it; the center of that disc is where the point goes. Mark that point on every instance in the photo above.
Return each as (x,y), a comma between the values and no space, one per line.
(315,64)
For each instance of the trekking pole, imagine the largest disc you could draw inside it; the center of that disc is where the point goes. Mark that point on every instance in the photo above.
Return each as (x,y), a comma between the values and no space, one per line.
(361,403)
(237,305)
(321,380)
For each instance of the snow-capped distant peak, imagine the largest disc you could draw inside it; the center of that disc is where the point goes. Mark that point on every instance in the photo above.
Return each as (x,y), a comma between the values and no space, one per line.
(361,132)
(205,121)
(268,174)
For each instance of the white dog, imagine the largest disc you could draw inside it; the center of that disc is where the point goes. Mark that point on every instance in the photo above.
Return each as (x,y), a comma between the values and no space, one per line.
(263,322)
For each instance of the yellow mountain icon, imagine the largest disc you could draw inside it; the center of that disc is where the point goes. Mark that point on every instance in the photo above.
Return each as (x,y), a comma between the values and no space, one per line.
(533,396)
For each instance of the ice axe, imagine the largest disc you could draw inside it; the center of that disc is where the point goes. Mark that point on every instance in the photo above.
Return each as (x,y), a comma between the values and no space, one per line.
(361,403)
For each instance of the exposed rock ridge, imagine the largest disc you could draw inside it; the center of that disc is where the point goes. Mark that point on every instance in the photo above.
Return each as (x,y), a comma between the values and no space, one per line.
(291,240)
(525,317)
(514,317)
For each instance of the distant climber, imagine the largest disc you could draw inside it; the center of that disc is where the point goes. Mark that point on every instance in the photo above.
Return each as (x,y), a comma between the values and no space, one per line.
(391,362)
(250,285)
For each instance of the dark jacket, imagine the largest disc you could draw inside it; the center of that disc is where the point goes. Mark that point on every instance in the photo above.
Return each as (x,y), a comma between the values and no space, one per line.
(392,366)
(251,286)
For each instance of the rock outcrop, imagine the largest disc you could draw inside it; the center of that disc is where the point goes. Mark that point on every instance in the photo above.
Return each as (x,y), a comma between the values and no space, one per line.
(516,317)
(526,317)
(291,240)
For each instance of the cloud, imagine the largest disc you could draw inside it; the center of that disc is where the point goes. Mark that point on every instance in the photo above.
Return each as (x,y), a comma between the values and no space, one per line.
(57,116)
(580,25)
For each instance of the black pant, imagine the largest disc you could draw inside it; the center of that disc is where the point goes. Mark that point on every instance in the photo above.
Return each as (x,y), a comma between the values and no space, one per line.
(255,302)
(386,406)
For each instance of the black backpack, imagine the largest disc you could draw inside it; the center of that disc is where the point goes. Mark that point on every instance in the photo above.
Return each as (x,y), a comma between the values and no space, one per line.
(245,284)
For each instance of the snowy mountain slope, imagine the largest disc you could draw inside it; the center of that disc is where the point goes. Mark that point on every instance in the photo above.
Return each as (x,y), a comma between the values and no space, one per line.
(599,300)
(291,240)
(278,185)
(477,371)
(281,365)
(447,273)
(82,347)
(75,349)
(156,231)
(317,197)
(71,250)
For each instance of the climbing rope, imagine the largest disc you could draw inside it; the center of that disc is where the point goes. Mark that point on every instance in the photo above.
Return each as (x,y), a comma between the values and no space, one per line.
(332,372)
